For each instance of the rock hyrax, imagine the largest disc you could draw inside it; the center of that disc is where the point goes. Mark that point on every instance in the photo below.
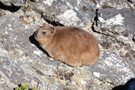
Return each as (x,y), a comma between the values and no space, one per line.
(68,44)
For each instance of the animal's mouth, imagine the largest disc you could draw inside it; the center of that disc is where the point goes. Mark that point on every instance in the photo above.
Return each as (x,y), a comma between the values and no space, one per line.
(36,34)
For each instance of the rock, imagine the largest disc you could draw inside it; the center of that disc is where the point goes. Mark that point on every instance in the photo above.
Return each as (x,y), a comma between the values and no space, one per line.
(6,2)
(131,1)
(119,19)
(130,85)
(13,2)
(118,4)
(117,27)
(112,68)
(76,13)
(12,75)
(62,87)
(112,24)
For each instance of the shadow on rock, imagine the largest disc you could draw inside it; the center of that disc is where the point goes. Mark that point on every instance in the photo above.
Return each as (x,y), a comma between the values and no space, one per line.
(130,85)
(133,38)
(33,41)
(10,8)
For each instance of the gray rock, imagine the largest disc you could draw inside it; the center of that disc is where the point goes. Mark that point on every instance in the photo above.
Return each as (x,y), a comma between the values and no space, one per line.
(62,87)
(69,12)
(118,4)
(117,27)
(114,30)
(14,75)
(112,68)
(14,2)
(118,18)
(18,2)
(6,2)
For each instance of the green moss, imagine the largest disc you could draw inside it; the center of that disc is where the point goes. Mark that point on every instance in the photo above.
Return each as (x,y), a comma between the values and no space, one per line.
(0,76)
(33,88)
(24,86)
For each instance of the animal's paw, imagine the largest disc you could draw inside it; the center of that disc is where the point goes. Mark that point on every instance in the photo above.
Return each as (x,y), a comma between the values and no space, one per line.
(50,58)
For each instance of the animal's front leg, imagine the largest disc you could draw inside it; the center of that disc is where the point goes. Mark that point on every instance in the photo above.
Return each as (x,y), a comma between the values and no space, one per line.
(51,58)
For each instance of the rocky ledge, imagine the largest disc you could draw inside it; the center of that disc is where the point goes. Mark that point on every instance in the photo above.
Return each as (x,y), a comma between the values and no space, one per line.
(21,60)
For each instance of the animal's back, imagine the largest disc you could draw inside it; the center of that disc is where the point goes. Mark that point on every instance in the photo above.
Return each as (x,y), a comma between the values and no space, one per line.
(74,46)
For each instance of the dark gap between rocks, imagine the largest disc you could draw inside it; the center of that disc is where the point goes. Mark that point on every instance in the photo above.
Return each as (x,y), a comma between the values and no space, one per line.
(9,8)
(96,20)
(54,23)
(133,38)
(32,0)
(130,1)
(96,17)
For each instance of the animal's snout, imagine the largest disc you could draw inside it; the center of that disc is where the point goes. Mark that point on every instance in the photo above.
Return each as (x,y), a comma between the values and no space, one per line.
(36,33)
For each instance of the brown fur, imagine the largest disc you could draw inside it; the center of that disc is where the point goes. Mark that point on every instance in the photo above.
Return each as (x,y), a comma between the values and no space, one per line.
(71,45)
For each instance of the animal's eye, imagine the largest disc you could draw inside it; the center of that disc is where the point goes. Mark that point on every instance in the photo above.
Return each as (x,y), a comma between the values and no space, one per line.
(44,32)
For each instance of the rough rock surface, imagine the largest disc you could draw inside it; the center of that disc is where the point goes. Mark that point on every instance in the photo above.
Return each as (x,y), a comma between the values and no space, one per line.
(22,60)
(74,12)
(12,74)
(13,2)
(116,69)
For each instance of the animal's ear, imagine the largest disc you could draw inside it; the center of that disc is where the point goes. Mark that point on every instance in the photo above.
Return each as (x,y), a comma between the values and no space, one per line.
(52,29)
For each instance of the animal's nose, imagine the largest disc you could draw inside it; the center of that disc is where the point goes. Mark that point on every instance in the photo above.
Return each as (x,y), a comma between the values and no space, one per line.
(35,33)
